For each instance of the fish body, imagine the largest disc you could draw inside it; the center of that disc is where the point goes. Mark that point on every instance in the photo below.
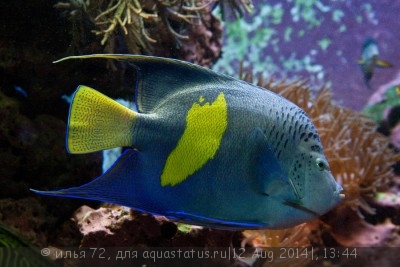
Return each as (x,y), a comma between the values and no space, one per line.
(370,60)
(204,148)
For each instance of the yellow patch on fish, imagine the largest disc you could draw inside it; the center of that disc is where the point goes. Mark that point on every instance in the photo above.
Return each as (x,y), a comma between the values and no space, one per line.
(205,126)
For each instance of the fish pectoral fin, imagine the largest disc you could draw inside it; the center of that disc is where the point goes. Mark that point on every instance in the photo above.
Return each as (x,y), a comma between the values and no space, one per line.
(269,177)
(97,122)
(114,186)
(383,63)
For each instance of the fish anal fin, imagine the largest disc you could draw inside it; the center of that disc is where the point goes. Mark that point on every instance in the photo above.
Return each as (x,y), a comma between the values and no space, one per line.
(114,186)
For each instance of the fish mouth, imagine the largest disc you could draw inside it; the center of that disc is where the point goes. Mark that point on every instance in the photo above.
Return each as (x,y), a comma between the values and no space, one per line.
(300,207)
(337,193)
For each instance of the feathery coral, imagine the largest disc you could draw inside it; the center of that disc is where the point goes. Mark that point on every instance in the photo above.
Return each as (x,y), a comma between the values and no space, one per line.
(294,239)
(156,27)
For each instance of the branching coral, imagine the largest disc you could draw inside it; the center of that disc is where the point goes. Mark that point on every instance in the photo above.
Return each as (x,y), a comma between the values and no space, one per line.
(235,7)
(148,27)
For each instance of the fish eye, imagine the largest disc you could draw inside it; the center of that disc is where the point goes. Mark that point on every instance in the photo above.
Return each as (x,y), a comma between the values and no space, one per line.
(322,164)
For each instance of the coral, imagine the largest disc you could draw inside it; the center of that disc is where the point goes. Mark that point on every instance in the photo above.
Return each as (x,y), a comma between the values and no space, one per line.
(26,215)
(268,240)
(295,236)
(116,226)
(164,28)
(353,231)
(235,8)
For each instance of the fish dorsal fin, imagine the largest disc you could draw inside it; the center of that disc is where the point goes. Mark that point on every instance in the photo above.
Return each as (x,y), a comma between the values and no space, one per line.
(157,77)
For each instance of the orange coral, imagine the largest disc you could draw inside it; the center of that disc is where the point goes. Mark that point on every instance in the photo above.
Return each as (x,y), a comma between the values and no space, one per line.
(296,236)
(294,240)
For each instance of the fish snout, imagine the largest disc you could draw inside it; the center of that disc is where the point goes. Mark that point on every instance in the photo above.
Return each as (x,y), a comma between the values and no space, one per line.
(337,193)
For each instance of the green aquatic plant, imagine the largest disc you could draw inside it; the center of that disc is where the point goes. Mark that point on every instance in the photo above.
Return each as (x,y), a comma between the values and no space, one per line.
(377,110)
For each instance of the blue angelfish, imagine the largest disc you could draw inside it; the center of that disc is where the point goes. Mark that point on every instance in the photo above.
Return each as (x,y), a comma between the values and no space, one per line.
(203,148)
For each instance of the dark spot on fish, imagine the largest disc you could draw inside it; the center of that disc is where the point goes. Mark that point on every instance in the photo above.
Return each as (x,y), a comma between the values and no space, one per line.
(282,135)
(315,148)
(302,135)
(286,141)
(306,140)
(310,135)
(272,131)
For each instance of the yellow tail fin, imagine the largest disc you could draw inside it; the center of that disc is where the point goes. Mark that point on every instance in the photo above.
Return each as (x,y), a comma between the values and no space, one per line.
(383,63)
(97,122)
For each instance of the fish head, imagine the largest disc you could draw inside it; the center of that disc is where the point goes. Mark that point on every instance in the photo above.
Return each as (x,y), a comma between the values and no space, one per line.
(314,187)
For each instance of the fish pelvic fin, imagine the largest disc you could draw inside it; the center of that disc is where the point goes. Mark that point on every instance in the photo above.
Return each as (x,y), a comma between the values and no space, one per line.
(97,122)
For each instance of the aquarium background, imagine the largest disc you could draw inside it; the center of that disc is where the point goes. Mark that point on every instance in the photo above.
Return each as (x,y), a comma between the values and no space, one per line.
(319,41)
(306,50)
